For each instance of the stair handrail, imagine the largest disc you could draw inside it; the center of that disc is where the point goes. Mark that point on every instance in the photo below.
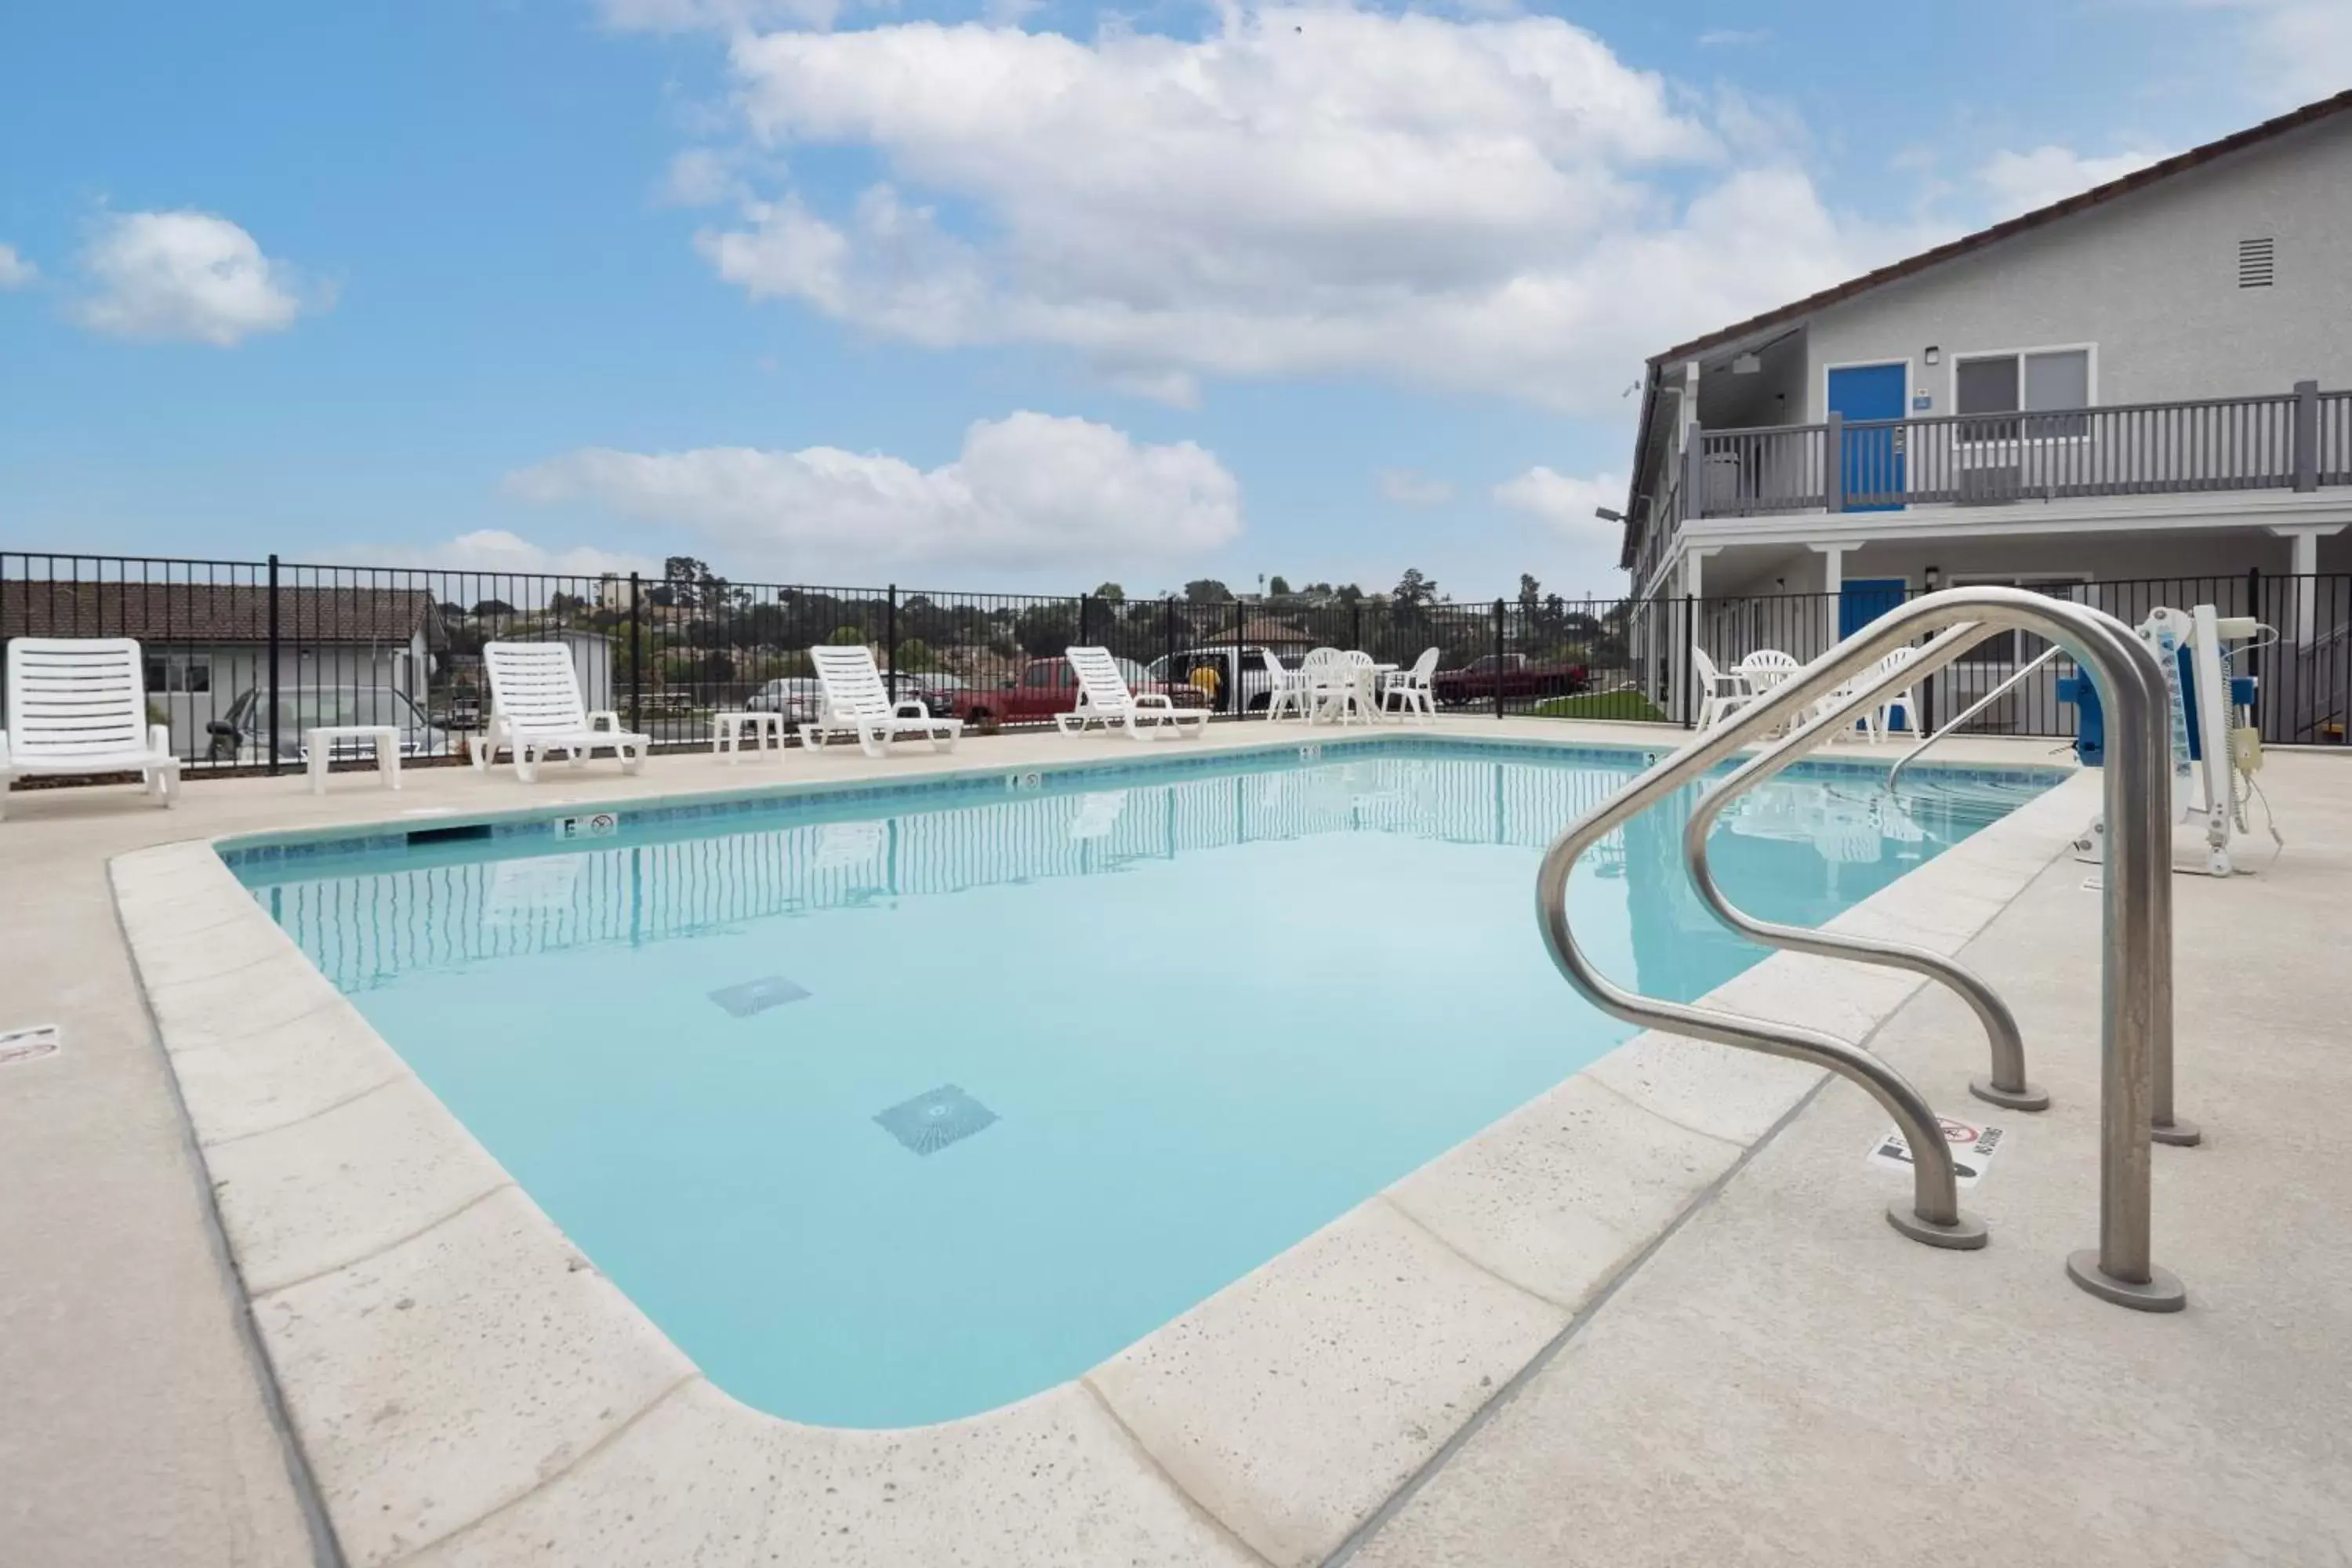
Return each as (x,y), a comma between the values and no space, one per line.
(2136,1012)
(2006,1084)
(1978,706)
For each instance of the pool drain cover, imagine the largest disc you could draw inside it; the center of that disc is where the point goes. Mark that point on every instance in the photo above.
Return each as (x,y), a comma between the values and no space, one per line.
(929,1122)
(758,996)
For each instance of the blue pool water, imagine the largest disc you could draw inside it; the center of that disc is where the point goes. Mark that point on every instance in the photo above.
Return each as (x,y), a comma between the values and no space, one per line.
(895,1110)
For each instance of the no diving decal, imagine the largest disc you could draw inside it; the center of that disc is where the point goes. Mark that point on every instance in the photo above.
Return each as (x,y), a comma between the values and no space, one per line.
(1972,1149)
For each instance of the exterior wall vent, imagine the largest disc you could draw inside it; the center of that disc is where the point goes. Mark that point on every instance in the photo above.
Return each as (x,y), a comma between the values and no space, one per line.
(2256,263)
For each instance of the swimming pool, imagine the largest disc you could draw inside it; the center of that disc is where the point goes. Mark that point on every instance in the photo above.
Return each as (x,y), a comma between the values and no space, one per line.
(901,1104)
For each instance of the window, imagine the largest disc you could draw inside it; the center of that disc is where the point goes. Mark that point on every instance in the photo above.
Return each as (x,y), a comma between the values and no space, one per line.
(2042,383)
(2257,263)
(180,672)
(2006,650)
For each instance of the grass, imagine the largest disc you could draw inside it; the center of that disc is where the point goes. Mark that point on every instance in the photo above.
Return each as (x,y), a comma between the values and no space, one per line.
(1601,705)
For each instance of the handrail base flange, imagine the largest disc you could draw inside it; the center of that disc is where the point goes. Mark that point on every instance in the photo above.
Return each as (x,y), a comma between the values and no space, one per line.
(2163,1292)
(1965,1234)
(2178,1134)
(2033,1097)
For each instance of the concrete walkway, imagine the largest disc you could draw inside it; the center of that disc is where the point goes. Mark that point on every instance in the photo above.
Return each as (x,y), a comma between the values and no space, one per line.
(1742,1397)
(1784,1381)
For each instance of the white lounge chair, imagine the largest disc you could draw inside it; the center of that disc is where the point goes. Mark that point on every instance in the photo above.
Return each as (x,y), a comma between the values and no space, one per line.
(856,702)
(78,705)
(1720,695)
(536,708)
(1104,698)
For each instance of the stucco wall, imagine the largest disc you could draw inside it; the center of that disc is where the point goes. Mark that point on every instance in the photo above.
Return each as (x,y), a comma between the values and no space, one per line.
(2149,279)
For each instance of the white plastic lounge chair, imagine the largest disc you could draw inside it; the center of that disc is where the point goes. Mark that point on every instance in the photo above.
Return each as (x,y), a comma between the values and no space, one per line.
(1720,695)
(856,701)
(1104,698)
(78,705)
(1412,690)
(536,708)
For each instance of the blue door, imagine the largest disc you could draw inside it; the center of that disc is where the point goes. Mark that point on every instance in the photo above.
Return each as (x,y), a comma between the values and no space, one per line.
(1862,600)
(1871,466)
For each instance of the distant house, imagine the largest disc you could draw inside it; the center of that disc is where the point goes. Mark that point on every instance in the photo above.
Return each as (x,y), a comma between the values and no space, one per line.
(207,644)
(2152,379)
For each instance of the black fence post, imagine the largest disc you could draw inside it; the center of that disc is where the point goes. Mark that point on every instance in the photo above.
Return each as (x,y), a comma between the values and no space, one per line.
(636,662)
(1498,658)
(1086,603)
(273,663)
(1168,631)
(2253,650)
(891,639)
(1241,615)
(1355,623)
(1681,652)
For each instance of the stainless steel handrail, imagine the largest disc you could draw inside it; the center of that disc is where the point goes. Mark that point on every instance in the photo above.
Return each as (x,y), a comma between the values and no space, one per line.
(2137,986)
(1978,706)
(2006,1084)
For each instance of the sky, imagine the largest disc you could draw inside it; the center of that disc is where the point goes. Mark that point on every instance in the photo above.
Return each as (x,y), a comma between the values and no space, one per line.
(1012,294)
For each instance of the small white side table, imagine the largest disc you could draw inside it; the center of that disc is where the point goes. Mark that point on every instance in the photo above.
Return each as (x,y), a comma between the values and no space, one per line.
(728,731)
(320,741)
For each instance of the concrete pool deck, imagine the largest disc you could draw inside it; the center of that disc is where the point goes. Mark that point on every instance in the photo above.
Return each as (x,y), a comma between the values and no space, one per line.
(137,1417)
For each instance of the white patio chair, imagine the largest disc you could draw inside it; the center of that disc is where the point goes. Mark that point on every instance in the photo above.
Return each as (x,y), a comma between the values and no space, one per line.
(1104,698)
(1881,718)
(1767,667)
(1286,689)
(536,708)
(854,700)
(1340,690)
(78,705)
(1413,688)
(1720,694)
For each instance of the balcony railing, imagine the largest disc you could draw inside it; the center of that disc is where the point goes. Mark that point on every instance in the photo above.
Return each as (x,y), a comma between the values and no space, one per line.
(2299,440)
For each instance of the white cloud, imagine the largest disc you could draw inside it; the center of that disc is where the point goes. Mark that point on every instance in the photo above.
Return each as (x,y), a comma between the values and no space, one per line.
(1565,501)
(2299,50)
(1498,204)
(1733,38)
(1029,492)
(716,16)
(185,275)
(494,550)
(699,177)
(1408,487)
(2020,182)
(14,271)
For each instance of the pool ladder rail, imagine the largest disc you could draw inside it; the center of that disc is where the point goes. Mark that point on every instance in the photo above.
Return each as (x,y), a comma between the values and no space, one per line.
(2135,1031)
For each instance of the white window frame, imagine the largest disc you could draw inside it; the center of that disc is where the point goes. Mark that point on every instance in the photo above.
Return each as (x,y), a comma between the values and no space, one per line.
(2090,352)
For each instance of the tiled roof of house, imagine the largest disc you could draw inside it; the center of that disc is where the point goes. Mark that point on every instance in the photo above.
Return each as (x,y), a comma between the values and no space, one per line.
(215,612)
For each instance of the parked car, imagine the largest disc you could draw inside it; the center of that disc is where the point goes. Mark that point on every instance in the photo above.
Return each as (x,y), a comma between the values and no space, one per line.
(1516,676)
(1211,668)
(1045,687)
(797,697)
(242,733)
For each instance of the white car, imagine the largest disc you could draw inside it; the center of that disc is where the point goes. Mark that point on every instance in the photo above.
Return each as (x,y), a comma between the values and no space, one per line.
(798,697)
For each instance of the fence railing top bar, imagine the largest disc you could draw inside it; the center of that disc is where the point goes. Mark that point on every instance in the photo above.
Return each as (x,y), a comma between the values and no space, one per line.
(2259,399)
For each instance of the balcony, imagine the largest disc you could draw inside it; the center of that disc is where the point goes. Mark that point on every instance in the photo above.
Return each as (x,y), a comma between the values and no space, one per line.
(2300,440)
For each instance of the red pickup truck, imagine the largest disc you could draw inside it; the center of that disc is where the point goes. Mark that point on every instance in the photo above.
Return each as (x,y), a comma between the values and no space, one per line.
(1519,677)
(1045,687)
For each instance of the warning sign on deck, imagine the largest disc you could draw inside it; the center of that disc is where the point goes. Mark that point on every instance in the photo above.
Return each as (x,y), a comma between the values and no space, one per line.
(1972,1149)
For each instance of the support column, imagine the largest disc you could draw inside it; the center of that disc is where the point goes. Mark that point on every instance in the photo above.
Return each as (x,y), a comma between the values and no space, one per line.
(2304,566)
(1833,565)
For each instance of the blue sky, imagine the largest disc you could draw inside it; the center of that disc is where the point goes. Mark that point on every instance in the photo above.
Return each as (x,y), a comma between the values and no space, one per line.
(1008,295)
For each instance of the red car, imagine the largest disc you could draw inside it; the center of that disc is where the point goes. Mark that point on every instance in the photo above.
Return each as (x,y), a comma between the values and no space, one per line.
(1519,677)
(1045,687)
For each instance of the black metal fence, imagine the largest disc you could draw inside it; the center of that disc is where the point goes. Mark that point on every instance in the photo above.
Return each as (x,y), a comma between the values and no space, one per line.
(243,656)
(2301,658)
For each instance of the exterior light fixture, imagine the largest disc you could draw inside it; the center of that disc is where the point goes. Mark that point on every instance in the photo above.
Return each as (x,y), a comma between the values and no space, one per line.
(1934,354)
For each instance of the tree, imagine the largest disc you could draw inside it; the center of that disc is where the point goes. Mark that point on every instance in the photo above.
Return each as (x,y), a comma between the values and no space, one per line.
(846,636)
(494,607)
(691,583)
(1278,585)
(1206,591)
(1110,593)
(1414,592)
